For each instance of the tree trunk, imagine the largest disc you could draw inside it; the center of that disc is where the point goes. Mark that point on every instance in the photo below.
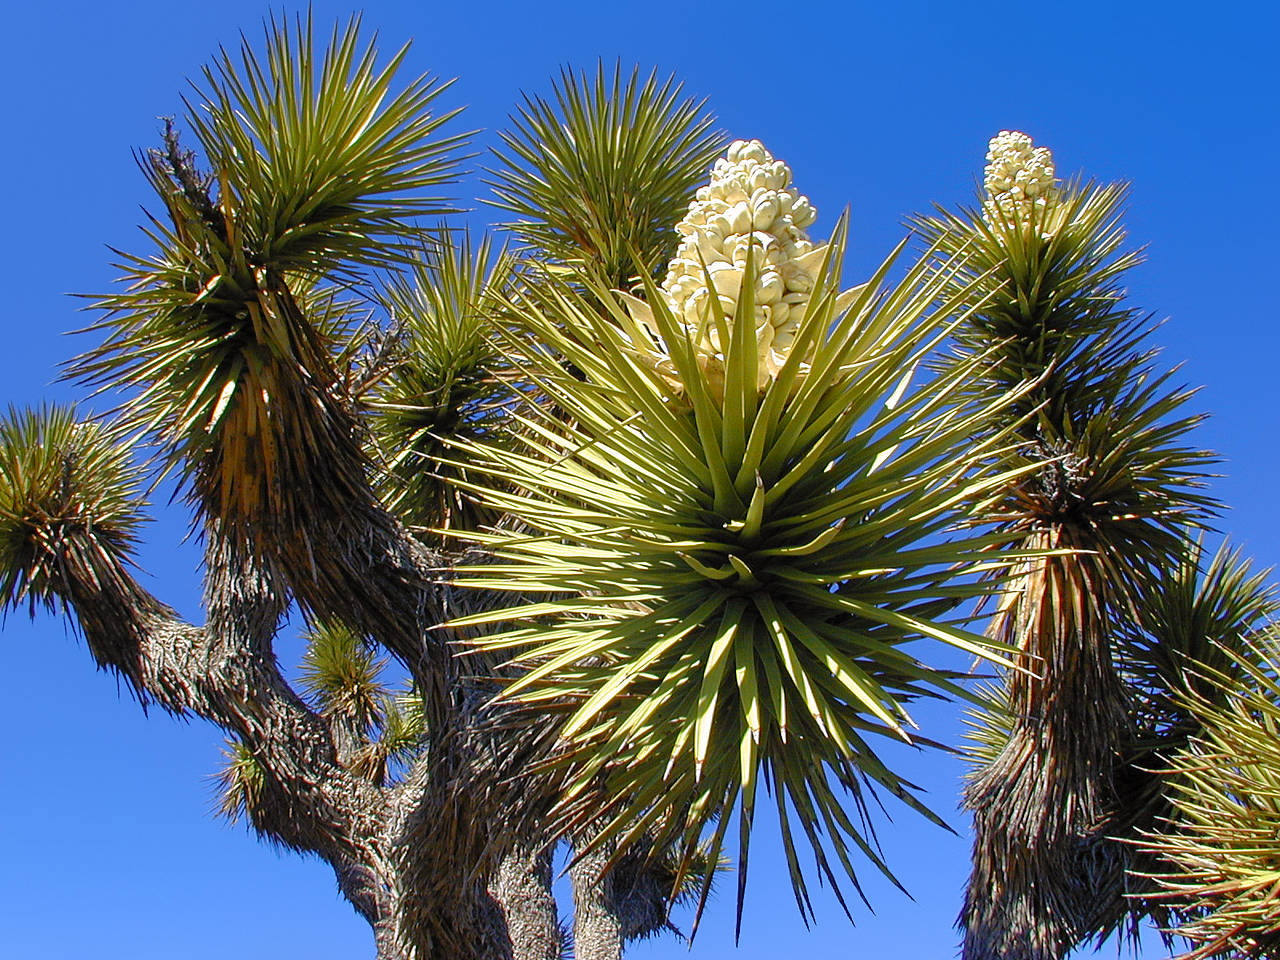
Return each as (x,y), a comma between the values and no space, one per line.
(1044,864)
(522,888)
(597,923)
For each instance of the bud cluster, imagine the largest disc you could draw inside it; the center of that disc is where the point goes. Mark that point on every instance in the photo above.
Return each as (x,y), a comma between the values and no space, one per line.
(749,201)
(1019,177)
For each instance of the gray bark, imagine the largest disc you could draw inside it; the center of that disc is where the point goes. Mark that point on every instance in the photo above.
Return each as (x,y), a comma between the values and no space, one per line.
(450,862)
(413,859)
(522,887)
(619,902)
(597,923)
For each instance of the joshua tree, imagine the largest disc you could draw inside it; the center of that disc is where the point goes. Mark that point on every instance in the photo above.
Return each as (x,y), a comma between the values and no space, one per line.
(644,517)
(1112,486)
(1129,642)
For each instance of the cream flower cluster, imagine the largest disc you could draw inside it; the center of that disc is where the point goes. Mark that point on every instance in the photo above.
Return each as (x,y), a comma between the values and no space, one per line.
(1019,177)
(750,201)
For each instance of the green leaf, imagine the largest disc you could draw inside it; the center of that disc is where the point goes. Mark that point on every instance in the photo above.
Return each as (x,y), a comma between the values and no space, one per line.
(597,176)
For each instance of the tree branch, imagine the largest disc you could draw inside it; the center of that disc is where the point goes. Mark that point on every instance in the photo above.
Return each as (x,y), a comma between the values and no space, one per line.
(413,859)
(226,672)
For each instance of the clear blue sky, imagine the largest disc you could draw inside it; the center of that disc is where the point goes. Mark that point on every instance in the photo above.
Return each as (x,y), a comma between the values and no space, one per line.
(109,848)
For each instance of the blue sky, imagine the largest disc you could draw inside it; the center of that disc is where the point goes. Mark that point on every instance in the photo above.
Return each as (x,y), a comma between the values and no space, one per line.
(109,846)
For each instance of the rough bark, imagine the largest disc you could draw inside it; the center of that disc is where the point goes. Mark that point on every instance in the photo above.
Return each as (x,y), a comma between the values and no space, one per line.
(450,862)
(597,923)
(522,887)
(1045,868)
(618,899)
(414,859)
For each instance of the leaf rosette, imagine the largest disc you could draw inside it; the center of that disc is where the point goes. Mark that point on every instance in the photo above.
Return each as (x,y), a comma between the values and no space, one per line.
(734,563)
(70,504)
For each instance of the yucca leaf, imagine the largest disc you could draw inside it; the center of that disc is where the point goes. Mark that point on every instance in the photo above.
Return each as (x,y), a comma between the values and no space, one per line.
(239,784)
(343,676)
(439,379)
(1215,853)
(228,354)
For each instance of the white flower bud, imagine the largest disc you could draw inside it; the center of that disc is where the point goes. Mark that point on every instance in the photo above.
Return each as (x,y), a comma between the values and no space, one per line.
(693,306)
(764,210)
(764,332)
(770,288)
(802,213)
(753,150)
(726,280)
(717,224)
(710,248)
(797,278)
(739,217)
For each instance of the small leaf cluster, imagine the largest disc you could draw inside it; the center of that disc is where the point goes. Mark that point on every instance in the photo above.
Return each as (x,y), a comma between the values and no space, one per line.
(442,379)
(70,494)
(599,177)
(379,733)
(1216,854)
